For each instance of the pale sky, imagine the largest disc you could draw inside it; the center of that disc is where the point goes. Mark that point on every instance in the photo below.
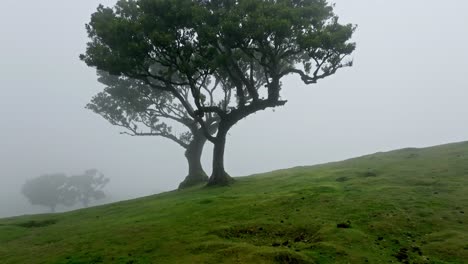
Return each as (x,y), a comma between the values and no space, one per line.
(408,88)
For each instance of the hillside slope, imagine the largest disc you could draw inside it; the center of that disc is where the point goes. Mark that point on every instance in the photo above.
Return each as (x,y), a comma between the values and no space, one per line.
(408,206)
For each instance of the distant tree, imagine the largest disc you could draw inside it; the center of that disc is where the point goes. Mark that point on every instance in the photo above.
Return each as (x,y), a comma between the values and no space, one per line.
(248,46)
(87,186)
(48,190)
(142,111)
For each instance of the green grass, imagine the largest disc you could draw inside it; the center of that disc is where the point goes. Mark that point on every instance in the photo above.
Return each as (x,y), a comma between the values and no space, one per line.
(407,206)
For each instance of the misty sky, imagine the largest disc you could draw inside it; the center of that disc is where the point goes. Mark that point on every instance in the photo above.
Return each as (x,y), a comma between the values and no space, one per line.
(408,87)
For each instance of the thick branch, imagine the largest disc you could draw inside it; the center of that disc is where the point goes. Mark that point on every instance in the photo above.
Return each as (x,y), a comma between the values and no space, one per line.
(241,113)
(166,135)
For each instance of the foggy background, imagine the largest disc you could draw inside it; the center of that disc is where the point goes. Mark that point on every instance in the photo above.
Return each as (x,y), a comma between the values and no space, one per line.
(408,87)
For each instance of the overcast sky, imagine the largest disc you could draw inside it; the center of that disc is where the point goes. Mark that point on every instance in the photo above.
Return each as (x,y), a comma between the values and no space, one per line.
(408,87)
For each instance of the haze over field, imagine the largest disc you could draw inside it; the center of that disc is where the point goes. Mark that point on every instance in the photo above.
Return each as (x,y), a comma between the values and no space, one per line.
(407,87)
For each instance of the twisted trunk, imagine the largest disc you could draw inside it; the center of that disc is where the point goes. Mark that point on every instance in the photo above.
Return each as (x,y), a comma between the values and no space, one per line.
(85,202)
(219,176)
(193,153)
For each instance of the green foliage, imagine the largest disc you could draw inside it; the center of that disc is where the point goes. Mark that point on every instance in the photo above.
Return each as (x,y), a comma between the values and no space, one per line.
(189,38)
(413,209)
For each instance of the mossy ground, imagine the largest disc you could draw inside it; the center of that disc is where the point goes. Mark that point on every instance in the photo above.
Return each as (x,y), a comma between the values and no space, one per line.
(408,206)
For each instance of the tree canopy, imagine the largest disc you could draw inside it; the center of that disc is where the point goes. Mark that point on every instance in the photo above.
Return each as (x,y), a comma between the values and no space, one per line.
(52,190)
(87,186)
(48,190)
(239,48)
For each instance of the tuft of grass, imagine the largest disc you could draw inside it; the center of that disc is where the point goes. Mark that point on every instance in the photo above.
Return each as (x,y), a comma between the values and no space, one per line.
(403,206)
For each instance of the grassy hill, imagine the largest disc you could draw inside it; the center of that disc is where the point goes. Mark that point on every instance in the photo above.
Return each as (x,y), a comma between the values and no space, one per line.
(408,206)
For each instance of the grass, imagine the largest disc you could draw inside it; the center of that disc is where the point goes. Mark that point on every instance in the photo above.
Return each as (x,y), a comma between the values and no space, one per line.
(408,206)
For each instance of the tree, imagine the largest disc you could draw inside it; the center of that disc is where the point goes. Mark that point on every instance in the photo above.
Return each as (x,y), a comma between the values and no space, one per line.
(247,46)
(48,190)
(87,187)
(142,111)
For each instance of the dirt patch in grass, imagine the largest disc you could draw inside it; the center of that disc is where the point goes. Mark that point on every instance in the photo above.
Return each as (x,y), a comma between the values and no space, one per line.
(35,224)
(369,173)
(289,258)
(271,235)
(342,179)
(346,224)
(206,201)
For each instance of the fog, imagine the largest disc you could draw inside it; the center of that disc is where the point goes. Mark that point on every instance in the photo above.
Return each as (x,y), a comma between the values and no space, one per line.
(408,87)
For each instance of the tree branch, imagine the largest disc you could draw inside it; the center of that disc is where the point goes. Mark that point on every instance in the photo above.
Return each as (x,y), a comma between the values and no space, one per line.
(165,135)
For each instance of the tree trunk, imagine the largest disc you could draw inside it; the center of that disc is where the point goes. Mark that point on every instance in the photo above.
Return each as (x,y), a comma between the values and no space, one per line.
(219,176)
(193,153)
(85,202)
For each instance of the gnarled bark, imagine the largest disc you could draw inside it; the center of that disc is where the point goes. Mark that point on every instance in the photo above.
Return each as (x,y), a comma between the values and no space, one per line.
(219,175)
(193,153)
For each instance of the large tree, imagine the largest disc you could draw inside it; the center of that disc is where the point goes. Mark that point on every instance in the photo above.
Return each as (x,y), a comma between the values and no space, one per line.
(247,46)
(142,111)
(87,186)
(48,190)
